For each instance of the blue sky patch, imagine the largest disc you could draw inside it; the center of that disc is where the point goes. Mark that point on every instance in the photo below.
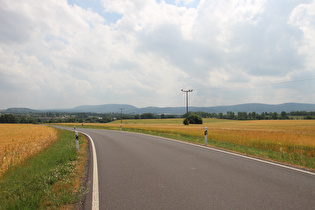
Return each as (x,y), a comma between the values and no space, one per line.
(193,4)
(96,6)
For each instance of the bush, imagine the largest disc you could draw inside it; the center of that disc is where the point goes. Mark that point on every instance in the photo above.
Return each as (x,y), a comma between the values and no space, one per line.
(195,119)
(185,121)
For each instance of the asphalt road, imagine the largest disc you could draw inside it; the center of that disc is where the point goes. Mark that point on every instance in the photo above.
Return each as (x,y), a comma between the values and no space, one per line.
(144,172)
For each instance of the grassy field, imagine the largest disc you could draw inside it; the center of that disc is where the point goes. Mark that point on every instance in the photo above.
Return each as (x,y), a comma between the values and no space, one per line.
(287,141)
(48,179)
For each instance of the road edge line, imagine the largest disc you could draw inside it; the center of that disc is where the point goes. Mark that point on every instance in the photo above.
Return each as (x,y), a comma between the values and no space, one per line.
(95,191)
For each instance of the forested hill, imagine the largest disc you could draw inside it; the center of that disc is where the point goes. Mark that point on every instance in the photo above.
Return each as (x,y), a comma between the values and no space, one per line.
(20,110)
(129,109)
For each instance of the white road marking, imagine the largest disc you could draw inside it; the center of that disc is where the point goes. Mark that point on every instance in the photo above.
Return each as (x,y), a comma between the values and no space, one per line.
(95,191)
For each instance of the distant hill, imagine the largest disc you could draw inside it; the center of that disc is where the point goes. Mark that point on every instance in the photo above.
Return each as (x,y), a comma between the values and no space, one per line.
(253,107)
(129,109)
(20,110)
(106,108)
(259,108)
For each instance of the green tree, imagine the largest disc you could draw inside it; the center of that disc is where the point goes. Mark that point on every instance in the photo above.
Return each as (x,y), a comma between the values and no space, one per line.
(8,118)
(23,120)
(284,115)
(147,116)
(230,115)
(250,116)
(214,115)
(254,115)
(262,116)
(242,116)
(274,116)
(195,119)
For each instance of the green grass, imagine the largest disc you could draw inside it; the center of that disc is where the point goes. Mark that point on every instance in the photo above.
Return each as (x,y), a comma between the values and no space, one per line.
(44,181)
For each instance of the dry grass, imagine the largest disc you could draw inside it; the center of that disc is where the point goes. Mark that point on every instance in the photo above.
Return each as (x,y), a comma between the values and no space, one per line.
(295,132)
(295,138)
(275,135)
(20,141)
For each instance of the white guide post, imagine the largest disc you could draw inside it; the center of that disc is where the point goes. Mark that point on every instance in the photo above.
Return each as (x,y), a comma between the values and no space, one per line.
(76,138)
(206,136)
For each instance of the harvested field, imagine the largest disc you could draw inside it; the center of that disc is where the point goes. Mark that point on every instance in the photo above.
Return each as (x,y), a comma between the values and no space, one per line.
(291,141)
(20,141)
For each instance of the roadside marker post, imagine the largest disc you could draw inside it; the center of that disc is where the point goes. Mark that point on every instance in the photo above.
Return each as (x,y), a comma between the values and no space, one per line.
(206,136)
(76,138)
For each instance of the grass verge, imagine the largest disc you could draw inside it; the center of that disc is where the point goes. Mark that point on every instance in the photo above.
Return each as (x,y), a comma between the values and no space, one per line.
(49,180)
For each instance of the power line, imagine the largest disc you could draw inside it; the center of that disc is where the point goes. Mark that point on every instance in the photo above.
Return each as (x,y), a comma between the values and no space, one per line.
(287,81)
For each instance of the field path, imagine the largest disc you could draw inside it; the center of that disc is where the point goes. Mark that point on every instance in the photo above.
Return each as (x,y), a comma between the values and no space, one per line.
(138,171)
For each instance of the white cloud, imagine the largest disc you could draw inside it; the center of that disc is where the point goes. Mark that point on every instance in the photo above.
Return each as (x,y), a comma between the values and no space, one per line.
(303,17)
(58,55)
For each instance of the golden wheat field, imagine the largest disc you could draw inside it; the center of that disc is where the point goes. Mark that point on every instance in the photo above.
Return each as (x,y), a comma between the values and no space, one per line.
(277,135)
(20,141)
(293,137)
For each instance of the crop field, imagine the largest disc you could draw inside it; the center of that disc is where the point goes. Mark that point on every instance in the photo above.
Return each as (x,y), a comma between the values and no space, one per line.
(288,141)
(20,141)
(50,179)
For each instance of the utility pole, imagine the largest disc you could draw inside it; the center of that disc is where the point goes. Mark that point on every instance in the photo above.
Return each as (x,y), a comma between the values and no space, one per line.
(121,117)
(186,91)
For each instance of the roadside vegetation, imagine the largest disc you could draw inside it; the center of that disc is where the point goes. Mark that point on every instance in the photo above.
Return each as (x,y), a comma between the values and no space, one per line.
(286,141)
(48,179)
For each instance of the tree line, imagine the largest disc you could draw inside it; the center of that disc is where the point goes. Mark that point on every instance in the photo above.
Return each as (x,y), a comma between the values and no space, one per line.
(256,116)
(39,118)
(51,117)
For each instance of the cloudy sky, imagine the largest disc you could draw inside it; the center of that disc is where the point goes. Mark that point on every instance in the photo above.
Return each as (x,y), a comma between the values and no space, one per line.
(61,54)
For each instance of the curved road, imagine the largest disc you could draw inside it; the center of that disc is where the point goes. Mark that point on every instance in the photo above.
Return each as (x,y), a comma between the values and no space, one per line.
(138,171)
